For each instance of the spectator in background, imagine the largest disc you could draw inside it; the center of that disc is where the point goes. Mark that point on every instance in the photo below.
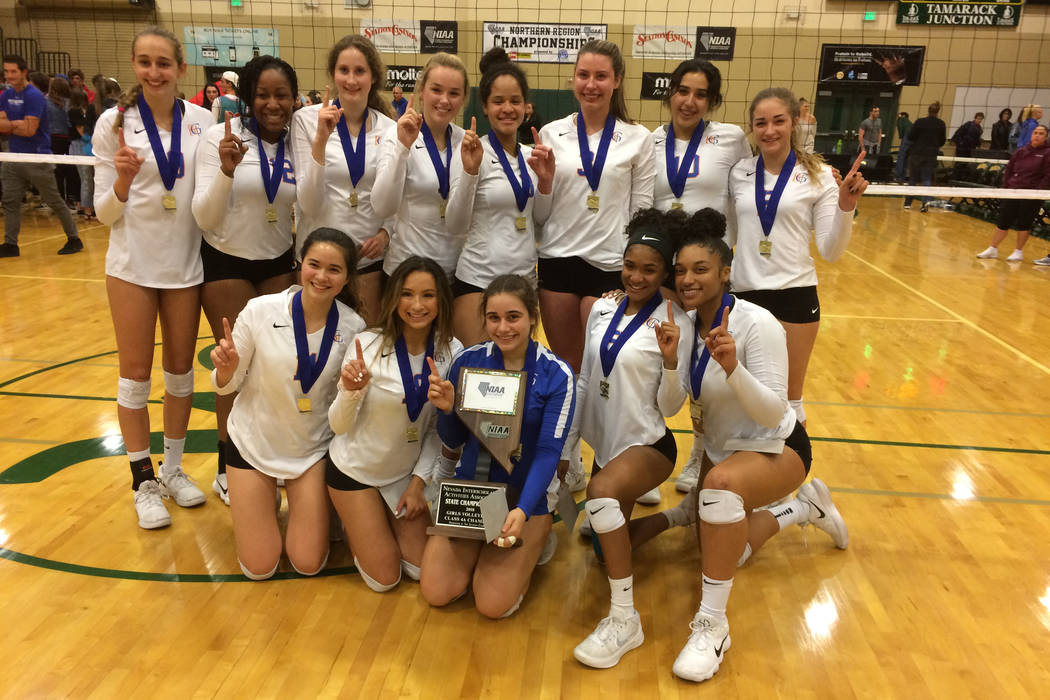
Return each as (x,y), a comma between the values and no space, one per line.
(1029,120)
(1001,131)
(903,127)
(208,96)
(59,130)
(806,129)
(966,138)
(313,97)
(927,135)
(870,135)
(399,103)
(40,81)
(80,145)
(532,120)
(229,102)
(76,81)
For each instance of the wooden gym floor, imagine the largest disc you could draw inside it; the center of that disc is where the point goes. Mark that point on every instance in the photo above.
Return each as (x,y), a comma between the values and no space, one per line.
(927,404)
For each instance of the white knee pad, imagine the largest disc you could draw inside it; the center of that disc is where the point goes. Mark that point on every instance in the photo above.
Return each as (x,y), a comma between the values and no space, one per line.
(410,570)
(257,577)
(605,514)
(372,583)
(514,608)
(324,562)
(132,393)
(719,507)
(180,385)
(800,412)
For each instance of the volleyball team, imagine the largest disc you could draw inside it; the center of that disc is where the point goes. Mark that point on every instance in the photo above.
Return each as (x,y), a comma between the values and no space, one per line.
(422,248)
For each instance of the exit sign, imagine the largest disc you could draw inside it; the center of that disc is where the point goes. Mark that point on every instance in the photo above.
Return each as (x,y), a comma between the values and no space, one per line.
(869,15)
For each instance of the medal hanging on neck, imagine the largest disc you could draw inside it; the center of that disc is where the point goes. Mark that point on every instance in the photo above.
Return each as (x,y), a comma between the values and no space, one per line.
(169,165)
(442,169)
(415,394)
(308,369)
(592,168)
(613,343)
(698,361)
(767,210)
(354,155)
(271,182)
(523,189)
(676,177)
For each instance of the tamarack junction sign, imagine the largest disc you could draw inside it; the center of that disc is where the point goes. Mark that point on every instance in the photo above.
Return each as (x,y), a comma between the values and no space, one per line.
(962,13)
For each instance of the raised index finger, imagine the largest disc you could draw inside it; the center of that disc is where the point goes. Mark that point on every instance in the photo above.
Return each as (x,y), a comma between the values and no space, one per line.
(536,137)
(227,124)
(474,124)
(856,163)
(670,312)
(360,355)
(725,319)
(120,137)
(226,329)
(433,367)
(327,94)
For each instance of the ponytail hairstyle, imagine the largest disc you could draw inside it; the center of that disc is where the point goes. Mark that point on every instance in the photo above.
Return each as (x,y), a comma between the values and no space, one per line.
(705,228)
(249,82)
(601,47)
(348,294)
(810,161)
(934,109)
(78,99)
(59,91)
(132,97)
(519,287)
(496,63)
(375,66)
(391,325)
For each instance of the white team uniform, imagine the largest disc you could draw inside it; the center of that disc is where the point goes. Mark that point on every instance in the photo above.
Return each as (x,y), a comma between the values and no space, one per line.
(803,208)
(371,443)
(750,410)
(569,227)
(232,211)
(149,245)
(494,245)
(641,392)
(707,182)
(265,423)
(325,188)
(407,185)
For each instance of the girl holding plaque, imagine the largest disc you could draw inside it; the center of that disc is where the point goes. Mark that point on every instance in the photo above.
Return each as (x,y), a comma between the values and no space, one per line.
(693,157)
(385,429)
(243,201)
(499,572)
(503,183)
(778,198)
(756,450)
(337,145)
(604,173)
(284,357)
(144,177)
(628,384)
(420,165)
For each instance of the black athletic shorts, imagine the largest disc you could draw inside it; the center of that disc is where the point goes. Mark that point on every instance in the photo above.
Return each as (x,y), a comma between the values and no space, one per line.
(234,458)
(377,266)
(338,480)
(459,288)
(793,305)
(222,266)
(665,446)
(576,276)
(1018,214)
(798,440)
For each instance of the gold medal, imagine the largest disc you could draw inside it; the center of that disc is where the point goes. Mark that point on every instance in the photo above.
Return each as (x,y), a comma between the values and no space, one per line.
(765,247)
(303,404)
(271,214)
(353,200)
(168,202)
(412,434)
(676,205)
(519,223)
(442,208)
(592,202)
(603,389)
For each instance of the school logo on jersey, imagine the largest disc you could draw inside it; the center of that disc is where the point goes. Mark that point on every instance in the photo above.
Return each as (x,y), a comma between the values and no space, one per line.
(617,136)
(195,128)
(651,322)
(338,337)
(801,178)
(694,171)
(712,139)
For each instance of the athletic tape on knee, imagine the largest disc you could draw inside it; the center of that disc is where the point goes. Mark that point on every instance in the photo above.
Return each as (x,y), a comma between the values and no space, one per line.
(410,570)
(605,514)
(180,385)
(132,393)
(719,507)
(257,577)
(314,572)
(372,583)
(800,413)
(514,608)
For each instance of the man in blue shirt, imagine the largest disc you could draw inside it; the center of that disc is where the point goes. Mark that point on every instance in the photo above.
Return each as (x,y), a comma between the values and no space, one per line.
(399,103)
(23,116)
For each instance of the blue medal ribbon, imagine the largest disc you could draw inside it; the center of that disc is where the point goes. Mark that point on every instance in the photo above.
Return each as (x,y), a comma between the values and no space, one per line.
(271,182)
(698,365)
(354,155)
(767,210)
(309,370)
(522,190)
(442,169)
(592,167)
(168,164)
(611,348)
(415,395)
(676,178)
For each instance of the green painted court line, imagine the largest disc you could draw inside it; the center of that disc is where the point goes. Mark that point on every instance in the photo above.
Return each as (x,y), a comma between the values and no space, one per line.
(924,445)
(928,409)
(32,395)
(28,441)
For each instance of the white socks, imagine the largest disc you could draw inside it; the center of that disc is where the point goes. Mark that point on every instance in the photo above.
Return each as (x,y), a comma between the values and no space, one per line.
(791,513)
(714,596)
(173,453)
(622,596)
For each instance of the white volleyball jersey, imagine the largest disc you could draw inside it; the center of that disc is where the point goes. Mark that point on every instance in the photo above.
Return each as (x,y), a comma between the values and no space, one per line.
(232,212)
(626,186)
(325,189)
(375,441)
(150,245)
(265,422)
(804,207)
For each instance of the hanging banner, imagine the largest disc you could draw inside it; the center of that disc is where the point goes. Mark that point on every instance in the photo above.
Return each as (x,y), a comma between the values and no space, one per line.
(715,43)
(655,86)
(528,42)
(658,41)
(871,63)
(438,36)
(228,46)
(392,35)
(403,77)
(960,13)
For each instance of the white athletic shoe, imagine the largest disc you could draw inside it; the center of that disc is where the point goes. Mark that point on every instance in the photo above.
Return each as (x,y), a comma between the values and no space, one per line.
(576,481)
(549,548)
(218,485)
(610,640)
(1016,256)
(703,653)
(685,513)
(585,526)
(181,486)
(823,513)
(989,252)
(149,505)
(649,498)
(1042,262)
(689,476)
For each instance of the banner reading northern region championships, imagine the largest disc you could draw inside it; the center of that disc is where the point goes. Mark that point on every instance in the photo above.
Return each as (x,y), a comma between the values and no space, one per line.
(529,42)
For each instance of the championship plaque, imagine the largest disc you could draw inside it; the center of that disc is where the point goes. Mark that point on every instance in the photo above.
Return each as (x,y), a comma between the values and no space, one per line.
(465,509)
